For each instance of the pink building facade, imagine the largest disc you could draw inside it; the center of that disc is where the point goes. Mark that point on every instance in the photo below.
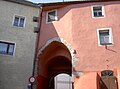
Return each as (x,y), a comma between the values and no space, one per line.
(81,39)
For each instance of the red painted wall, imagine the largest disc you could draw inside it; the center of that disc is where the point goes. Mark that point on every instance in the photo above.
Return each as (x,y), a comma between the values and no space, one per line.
(42,82)
(76,25)
(86,81)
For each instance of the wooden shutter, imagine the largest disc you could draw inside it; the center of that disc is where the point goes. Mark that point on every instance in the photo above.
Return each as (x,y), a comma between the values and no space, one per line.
(108,82)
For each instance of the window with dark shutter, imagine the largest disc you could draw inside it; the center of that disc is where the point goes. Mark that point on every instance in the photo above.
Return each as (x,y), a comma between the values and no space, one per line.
(108,80)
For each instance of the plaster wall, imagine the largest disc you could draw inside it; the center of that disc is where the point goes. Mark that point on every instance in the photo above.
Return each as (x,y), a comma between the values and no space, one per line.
(76,25)
(56,29)
(93,57)
(86,81)
(15,70)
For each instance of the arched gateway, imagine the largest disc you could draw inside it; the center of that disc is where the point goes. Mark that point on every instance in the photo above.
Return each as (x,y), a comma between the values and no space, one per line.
(54,60)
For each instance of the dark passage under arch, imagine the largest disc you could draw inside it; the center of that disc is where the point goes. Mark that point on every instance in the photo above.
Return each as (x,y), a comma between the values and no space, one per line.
(55,62)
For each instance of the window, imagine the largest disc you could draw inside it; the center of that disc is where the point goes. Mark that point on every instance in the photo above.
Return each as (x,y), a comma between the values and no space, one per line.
(108,80)
(7,48)
(104,36)
(98,11)
(51,16)
(107,73)
(19,21)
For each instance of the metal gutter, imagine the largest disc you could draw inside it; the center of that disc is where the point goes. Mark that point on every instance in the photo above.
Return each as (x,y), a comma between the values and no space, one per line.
(37,43)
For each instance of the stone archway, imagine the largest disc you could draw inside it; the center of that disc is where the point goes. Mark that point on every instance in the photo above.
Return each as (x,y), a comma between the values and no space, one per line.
(63,41)
(54,59)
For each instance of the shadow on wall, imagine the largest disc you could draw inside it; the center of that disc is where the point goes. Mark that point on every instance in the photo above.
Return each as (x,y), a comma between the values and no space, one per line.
(57,28)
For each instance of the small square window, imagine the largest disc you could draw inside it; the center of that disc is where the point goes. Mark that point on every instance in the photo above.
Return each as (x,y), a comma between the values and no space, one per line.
(51,16)
(7,48)
(104,36)
(19,21)
(98,11)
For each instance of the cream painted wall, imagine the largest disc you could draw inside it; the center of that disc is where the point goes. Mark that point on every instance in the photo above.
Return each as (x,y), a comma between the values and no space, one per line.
(16,70)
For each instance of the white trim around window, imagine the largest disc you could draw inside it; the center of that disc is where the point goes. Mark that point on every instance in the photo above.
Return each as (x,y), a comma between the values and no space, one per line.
(103,11)
(56,17)
(19,16)
(110,36)
(4,41)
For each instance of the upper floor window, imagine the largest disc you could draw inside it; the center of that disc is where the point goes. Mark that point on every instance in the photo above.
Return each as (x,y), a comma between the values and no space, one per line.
(98,11)
(19,21)
(51,16)
(104,36)
(7,48)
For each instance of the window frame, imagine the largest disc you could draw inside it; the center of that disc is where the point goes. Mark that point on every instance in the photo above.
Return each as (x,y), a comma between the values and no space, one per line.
(110,36)
(55,16)
(9,42)
(103,11)
(19,16)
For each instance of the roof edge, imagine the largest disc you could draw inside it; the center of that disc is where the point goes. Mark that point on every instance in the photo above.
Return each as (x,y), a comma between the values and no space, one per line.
(73,2)
(24,2)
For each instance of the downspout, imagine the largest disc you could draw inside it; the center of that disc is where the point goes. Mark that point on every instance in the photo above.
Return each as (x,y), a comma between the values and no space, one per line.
(37,40)
(37,43)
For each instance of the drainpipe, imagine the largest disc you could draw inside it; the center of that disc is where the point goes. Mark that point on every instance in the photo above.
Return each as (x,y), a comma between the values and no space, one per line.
(37,43)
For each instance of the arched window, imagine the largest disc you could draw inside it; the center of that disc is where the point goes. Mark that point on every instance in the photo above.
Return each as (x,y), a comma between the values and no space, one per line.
(107,73)
(63,81)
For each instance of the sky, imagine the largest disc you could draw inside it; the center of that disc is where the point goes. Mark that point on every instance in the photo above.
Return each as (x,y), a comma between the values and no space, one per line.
(45,1)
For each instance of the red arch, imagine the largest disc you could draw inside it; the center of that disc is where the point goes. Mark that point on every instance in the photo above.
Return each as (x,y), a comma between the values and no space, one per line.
(55,59)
